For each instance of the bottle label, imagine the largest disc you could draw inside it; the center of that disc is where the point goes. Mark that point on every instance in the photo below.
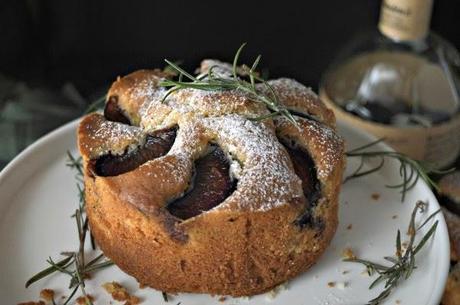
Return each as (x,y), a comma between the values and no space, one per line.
(405,19)
(438,145)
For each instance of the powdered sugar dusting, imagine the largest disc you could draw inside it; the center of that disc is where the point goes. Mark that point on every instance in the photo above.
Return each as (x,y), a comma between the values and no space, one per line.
(267,179)
(112,130)
(327,146)
(258,160)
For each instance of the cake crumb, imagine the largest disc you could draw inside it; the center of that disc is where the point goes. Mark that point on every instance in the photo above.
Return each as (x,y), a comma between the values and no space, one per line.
(375,196)
(222,299)
(398,302)
(133,300)
(350,226)
(394,216)
(119,293)
(348,253)
(47,294)
(274,292)
(331,284)
(345,271)
(32,303)
(84,300)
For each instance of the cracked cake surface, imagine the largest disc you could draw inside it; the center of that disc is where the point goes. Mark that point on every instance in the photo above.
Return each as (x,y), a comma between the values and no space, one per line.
(192,194)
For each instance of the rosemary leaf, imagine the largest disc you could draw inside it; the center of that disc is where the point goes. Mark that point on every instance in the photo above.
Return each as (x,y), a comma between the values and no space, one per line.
(211,82)
(97,104)
(47,271)
(74,264)
(410,170)
(403,264)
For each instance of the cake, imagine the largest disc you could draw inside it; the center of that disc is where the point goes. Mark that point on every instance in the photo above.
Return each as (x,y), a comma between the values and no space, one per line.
(196,194)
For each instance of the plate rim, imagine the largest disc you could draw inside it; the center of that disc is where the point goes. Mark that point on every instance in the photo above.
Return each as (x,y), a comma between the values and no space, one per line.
(443,263)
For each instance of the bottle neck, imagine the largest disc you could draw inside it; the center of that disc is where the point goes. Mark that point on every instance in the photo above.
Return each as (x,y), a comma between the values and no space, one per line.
(405,20)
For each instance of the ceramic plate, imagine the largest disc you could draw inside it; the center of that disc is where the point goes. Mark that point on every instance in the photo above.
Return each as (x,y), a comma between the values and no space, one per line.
(38,194)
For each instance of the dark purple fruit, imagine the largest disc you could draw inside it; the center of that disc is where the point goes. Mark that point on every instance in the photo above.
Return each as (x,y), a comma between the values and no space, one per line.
(211,185)
(156,145)
(304,168)
(113,112)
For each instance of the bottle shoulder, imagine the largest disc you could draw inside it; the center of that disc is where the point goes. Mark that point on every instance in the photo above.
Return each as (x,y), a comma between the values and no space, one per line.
(373,73)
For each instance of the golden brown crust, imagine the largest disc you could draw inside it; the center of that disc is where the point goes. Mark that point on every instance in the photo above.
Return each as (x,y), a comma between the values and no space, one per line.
(449,186)
(452,291)
(246,245)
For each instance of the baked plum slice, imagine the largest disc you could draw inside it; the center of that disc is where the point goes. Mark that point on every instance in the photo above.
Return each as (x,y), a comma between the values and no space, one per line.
(156,145)
(305,169)
(113,112)
(210,186)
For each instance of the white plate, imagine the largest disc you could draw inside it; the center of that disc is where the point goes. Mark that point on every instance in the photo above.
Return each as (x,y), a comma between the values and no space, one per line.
(38,194)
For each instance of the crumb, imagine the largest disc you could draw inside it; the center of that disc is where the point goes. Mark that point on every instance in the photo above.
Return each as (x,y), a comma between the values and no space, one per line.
(342,285)
(118,292)
(348,253)
(133,300)
(398,302)
(375,196)
(345,271)
(350,226)
(83,300)
(394,216)
(274,292)
(222,299)
(142,286)
(47,294)
(331,284)
(32,303)
(346,203)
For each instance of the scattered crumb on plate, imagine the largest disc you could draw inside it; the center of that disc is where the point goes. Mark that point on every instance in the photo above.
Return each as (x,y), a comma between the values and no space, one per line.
(348,253)
(375,196)
(119,293)
(222,299)
(83,300)
(47,294)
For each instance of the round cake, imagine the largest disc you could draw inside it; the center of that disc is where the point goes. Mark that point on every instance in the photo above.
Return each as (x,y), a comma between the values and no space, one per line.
(205,191)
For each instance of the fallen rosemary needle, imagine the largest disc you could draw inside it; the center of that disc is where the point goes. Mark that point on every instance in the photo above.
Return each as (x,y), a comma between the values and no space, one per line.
(403,262)
(211,82)
(410,170)
(74,264)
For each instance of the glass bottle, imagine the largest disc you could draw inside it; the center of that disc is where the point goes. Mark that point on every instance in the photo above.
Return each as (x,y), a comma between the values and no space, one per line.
(401,83)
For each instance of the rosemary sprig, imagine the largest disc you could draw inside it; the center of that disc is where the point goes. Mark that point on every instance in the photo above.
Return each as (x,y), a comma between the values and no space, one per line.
(74,263)
(211,82)
(410,170)
(403,262)
(96,105)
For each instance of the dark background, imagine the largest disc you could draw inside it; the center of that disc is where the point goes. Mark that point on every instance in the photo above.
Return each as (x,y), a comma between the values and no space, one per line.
(91,42)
